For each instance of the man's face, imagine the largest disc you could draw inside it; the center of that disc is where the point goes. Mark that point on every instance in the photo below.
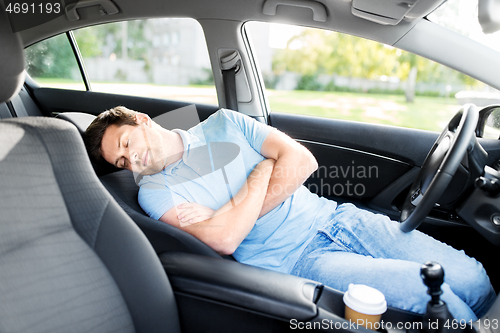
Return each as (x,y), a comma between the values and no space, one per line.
(136,148)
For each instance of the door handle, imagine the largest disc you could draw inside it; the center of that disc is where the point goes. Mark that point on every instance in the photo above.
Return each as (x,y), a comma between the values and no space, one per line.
(108,7)
(318,9)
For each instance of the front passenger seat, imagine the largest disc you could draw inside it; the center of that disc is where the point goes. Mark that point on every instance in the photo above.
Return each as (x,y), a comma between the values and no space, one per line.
(71,260)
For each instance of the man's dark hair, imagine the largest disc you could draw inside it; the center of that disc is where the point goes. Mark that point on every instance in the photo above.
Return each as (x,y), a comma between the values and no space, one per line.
(118,116)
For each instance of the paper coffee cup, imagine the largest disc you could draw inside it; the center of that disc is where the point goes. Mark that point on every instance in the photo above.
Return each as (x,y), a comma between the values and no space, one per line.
(364,305)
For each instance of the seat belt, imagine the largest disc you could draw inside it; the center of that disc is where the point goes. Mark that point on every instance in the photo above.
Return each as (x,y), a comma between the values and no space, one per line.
(230,66)
(229,79)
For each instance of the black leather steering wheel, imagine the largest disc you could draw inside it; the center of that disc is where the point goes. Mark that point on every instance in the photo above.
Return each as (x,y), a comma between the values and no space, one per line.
(439,167)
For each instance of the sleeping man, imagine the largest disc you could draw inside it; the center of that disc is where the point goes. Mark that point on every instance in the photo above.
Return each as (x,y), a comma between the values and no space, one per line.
(236,184)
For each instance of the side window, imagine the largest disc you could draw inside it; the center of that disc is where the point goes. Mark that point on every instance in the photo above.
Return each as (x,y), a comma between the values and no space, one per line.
(52,63)
(159,58)
(328,74)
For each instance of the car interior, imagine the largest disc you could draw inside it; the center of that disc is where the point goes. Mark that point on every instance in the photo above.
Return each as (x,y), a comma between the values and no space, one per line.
(77,252)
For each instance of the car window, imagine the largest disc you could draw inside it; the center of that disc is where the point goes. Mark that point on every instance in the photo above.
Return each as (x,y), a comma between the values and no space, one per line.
(160,58)
(328,74)
(52,63)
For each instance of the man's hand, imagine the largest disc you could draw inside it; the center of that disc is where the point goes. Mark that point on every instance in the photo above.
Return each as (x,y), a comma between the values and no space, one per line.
(191,213)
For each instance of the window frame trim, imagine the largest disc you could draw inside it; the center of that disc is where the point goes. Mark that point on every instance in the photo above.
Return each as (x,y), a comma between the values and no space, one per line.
(79,59)
(257,74)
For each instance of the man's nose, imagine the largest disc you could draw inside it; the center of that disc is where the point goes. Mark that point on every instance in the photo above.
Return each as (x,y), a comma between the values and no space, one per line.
(133,156)
(130,154)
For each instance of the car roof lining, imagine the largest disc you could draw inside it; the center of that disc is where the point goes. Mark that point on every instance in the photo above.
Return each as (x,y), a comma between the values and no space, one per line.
(434,42)
(339,17)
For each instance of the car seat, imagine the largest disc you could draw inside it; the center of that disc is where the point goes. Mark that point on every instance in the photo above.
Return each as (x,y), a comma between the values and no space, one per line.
(70,258)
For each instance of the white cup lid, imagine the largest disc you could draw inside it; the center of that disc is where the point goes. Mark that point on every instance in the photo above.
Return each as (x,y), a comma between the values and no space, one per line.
(365,299)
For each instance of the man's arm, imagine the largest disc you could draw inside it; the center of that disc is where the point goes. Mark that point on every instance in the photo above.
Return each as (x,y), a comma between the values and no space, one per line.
(294,164)
(230,225)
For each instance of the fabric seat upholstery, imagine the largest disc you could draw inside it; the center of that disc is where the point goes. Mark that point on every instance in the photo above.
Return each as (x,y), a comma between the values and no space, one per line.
(11,59)
(70,258)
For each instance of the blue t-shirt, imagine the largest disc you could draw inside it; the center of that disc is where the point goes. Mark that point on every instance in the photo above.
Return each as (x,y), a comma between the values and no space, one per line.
(219,154)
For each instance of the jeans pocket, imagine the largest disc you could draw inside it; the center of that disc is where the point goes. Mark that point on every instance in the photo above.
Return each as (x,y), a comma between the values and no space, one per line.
(344,239)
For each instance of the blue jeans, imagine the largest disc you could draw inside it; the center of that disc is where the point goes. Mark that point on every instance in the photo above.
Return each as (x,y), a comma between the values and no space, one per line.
(360,247)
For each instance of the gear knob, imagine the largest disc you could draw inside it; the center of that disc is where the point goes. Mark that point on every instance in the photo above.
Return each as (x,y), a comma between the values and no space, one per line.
(437,314)
(433,276)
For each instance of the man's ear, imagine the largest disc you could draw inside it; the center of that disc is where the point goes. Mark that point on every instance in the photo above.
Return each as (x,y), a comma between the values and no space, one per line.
(142,118)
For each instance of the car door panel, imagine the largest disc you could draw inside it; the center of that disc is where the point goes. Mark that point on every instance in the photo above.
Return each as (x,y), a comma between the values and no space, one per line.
(369,156)
(59,100)
(403,144)
(382,161)
(349,172)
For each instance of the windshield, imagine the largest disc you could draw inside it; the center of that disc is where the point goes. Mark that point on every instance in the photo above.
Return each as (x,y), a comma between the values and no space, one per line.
(461,16)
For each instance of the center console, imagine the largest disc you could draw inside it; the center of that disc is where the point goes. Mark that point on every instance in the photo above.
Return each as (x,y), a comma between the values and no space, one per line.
(217,295)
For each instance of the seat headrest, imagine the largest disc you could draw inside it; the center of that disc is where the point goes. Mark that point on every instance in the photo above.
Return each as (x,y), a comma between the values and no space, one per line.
(11,59)
(79,119)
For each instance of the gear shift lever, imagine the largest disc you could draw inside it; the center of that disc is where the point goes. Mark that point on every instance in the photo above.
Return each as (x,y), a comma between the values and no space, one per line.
(437,313)
(433,277)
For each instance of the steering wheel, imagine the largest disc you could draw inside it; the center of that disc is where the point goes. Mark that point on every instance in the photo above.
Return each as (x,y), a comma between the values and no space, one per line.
(439,167)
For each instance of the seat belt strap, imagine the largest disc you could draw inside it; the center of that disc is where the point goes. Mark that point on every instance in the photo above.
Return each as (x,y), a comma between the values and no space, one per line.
(229,79)
(230,66)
